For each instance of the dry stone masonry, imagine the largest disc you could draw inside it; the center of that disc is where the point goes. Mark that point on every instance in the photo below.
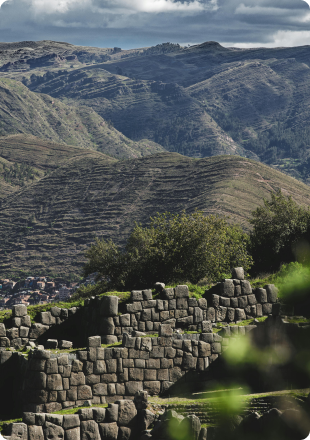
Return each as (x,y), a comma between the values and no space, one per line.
(150,352)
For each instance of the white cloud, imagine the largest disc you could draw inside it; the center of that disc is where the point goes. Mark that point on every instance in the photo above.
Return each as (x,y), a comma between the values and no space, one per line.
(279,39)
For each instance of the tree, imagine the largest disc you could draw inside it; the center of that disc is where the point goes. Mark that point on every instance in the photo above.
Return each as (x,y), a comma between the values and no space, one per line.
(280,230)
(173,248)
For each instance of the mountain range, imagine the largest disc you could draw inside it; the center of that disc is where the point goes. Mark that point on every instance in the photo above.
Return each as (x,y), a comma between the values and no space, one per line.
(95,139)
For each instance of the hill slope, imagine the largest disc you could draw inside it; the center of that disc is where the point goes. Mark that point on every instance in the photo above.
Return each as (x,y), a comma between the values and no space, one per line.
(47,226)
(22,111)
(201,100)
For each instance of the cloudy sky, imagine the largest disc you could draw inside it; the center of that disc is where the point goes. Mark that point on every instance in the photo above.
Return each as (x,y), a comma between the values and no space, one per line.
(139,23)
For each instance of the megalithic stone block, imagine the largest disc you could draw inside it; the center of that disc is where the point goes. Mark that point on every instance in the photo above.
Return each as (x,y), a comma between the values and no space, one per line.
(109,306)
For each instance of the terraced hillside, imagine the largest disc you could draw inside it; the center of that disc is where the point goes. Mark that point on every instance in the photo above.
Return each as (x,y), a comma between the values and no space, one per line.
(22,111)
(162,112)
(47,226)
(199,101)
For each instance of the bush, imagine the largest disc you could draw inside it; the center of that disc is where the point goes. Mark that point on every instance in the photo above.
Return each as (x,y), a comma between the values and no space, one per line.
(280,233)
(173,248)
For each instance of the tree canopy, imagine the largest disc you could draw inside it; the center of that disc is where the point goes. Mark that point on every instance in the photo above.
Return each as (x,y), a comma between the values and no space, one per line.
(281,231)
(173,248)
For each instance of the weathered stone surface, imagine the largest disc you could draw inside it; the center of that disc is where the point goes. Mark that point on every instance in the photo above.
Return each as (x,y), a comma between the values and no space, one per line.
(181,291)
(125,320)
(240,315)
(47,318)
(230,315)
(107,326)
(84,392)
(2,330)
(204,349)
(94,341)
(237,273)
(108,339)
(19,431)
(54,382)
(89,430)
(207,337)
(242,302)
(77,379)
(146,344)
(19,310)
(152,387)
(132,387)
(99,414)
(73,434)
(108,431)
(53,407)
(85,414)
(267,309)
(12,333)
(124,433)
(109,306)
(26,321)
(198,315)
(37,330)
(165,330)
(272,293)
(35,433)
(24,332)
(210,315)
(227,288)
(202,303)
(51,366)
(4,342)
(112,413)
(136,295)
(246,288)
(53,432)
(252,300)
(56,419)
(261,295)
(216,348)
(220,313)
(175,374)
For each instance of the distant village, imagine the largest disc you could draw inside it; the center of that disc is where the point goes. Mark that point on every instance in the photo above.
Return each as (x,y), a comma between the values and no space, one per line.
(37,290)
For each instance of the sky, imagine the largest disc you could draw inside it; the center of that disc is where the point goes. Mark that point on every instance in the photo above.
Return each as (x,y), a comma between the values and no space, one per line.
(140,23)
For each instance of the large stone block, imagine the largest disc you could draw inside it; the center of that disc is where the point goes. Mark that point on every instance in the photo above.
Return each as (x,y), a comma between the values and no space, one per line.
(99,414)
(112,412)
(136,374)
(146,344)
(19,310)
(168,294)
(109,306)
(147,294)
(137,295)
(107,326)
(272,293)
(230,315)
(19,431)
(198,315)
(210,315)
(89,430)
(132,387)
(124,433)
(47,318)
(165,330)
(51,431)
(54,382)
(77,379)
(24,332)
(204,349)
(94,341)
(261,295)
(246,288)
(157,352)
(237,273)
(12,333)
(242,302)
(181,291)
(25,321)
(100,389)
(267,309)
(51,366)
(35,433)
(220,313)
(152,387)
(37,330)
(227,288)
(73,434)
(252,300)
(84,392)
(125,320)
(2,330)
(108,431)
(175,374)
(240,315)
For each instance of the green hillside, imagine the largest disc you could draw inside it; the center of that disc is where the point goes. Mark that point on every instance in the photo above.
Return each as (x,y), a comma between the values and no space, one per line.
(22,111)
(47,226)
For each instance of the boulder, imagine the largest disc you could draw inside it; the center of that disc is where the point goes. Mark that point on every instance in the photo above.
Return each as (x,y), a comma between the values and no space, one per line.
(53,432)
(89,430)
